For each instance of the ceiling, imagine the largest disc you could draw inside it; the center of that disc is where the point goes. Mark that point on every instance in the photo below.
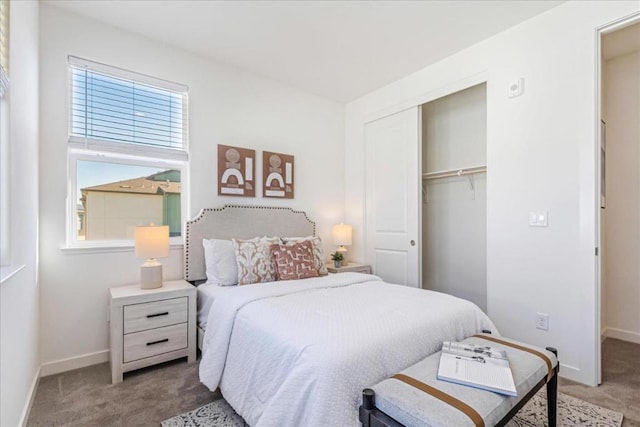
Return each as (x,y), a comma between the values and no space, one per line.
(340,50)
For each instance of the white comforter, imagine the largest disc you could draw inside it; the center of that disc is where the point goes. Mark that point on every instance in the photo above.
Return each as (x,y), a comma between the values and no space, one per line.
(299,353)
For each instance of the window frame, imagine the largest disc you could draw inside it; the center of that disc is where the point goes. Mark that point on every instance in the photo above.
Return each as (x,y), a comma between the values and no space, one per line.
(5,139)
(96,150)
(75,155)
(5,185)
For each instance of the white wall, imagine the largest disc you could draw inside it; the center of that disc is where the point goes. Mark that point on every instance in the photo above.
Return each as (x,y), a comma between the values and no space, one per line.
(227,106)
(540,156)
(621,112)
(19,349)
(454,216)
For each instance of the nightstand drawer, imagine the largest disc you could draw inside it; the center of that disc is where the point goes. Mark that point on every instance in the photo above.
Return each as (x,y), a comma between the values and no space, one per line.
(150,315)
(155,341)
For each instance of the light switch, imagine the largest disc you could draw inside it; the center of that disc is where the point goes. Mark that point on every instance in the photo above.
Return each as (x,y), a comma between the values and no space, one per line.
(533,218)
(538,219)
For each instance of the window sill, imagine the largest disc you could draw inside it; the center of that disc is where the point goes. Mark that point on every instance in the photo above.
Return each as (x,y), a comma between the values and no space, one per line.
(75,250)
(8,271)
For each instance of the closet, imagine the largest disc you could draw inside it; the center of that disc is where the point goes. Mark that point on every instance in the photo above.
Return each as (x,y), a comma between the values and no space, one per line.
(620,198)
(454,195)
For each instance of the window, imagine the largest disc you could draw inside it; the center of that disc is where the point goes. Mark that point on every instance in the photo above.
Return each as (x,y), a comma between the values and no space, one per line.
(4,46)
(127,154)
(4,134)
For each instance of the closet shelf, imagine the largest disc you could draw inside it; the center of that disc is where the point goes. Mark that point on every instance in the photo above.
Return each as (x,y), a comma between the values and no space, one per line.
(455,172)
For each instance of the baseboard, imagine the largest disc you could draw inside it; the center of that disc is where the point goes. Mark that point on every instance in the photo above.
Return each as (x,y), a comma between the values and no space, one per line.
(77,362)
(571,373)
(623,335)
(24,417)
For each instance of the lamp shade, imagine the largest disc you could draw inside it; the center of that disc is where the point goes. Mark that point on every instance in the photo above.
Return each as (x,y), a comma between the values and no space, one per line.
(342,234)
(152,241)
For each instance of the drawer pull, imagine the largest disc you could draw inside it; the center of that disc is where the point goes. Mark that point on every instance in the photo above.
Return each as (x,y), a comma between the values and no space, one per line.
(158,342)
(149,316)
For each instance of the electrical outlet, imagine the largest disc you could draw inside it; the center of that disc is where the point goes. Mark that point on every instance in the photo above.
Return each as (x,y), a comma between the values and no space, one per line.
(516,87)
(542,321)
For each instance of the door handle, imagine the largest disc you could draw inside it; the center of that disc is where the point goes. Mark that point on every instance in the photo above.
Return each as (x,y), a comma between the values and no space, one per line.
(412,243)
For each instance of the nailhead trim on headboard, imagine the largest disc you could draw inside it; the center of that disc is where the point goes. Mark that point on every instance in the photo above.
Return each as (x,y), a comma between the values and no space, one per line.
(203,212)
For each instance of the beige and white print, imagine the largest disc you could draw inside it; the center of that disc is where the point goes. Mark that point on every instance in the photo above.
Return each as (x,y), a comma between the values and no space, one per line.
(236,171)
(278,175)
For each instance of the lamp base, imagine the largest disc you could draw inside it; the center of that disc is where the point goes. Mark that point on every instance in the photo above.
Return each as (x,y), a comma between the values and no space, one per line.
(151,275)
(344,253)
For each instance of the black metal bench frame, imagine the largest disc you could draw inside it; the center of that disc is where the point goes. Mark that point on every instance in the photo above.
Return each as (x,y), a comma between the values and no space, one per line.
(370,416)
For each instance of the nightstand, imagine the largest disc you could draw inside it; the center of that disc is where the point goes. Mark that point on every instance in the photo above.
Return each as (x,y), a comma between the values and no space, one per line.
(352,266)
(150,326)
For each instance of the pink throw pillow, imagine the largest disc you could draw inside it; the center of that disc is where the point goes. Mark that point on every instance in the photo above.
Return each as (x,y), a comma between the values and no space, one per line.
(294,261)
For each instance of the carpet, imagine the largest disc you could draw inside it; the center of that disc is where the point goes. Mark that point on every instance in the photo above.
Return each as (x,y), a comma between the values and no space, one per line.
(571,412)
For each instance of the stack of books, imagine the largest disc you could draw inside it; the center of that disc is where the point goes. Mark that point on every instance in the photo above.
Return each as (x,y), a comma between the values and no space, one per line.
(476,366)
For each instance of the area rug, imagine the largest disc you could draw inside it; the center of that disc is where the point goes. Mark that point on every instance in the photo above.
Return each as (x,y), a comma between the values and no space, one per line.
(215,414)
(571,412)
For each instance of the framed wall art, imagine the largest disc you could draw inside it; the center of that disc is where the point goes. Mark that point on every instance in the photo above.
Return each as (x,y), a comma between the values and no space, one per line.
(278,175)
(236,171)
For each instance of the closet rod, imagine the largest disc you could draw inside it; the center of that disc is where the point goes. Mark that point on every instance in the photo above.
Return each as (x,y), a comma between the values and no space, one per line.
(454,172)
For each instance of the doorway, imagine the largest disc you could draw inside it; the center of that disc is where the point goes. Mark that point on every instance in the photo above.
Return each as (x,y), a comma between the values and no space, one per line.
(619,182)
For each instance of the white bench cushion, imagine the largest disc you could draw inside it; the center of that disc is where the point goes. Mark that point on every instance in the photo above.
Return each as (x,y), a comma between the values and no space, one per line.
(413,407)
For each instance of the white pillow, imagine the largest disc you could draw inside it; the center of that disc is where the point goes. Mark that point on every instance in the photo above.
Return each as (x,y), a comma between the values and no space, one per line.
(220,262)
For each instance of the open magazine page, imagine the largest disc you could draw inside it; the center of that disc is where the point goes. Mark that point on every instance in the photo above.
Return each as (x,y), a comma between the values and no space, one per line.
(476,366)
(462,349)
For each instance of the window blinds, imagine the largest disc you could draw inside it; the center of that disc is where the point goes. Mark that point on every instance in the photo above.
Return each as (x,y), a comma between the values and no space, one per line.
(4,46)
(112,105)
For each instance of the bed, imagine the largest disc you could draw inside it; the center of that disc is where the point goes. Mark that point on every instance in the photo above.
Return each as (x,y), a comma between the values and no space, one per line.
(299,352)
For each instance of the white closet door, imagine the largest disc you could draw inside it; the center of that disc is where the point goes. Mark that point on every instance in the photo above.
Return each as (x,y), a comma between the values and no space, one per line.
(392,196)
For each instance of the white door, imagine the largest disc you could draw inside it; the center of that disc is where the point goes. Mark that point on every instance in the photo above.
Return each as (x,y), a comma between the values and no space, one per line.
(392,163)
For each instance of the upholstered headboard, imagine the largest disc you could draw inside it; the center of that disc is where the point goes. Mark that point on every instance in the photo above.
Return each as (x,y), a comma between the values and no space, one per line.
(240,222)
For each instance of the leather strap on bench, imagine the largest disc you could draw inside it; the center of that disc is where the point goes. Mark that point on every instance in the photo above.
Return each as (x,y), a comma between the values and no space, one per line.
(446,398)
(523,348)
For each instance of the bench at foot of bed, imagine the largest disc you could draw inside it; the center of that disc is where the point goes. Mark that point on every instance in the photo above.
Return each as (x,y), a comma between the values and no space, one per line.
(417,398)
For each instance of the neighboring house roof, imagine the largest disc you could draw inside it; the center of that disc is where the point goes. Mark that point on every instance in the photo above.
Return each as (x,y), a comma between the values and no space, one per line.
(172,175)
(142,185)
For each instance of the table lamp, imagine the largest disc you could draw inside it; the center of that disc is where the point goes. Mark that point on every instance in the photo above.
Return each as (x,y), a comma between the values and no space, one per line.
(342,235)
(151,241)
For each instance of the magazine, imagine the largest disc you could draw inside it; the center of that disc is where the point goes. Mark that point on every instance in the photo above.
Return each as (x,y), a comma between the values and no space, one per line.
(476,366)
